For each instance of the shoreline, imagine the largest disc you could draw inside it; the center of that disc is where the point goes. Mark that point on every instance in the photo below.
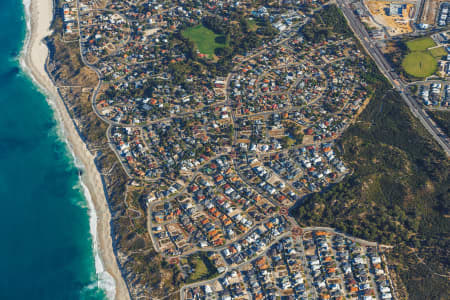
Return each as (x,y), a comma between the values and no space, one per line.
(39,14)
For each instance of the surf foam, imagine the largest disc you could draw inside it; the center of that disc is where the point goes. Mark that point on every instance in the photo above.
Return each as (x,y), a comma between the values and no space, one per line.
(104,280)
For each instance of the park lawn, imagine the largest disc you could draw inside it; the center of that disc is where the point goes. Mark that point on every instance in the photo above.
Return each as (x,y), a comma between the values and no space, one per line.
(252,25)
(420,44)
(200,270)
(438,52)
(419,64)
(203,268)
(205,39)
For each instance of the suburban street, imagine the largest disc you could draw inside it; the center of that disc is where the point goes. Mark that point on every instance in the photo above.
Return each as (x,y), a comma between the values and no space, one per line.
(223,122)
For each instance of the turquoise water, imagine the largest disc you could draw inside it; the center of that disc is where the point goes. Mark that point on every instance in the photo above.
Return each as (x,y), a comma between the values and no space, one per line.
(46,248)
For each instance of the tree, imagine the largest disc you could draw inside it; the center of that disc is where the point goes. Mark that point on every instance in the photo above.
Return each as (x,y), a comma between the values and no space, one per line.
(287,142)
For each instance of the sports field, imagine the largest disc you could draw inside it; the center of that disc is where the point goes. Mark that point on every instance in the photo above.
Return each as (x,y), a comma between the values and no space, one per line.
(419,64)
(420,44)
(438,52)
(205,39)
(421,61)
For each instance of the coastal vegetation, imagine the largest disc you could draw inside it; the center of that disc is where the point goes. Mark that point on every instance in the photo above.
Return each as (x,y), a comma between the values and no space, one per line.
(442,118)
(128,230)
(397,194)
(326,23)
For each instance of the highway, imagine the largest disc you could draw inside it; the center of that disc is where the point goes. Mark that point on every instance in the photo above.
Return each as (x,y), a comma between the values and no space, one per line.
(385,68)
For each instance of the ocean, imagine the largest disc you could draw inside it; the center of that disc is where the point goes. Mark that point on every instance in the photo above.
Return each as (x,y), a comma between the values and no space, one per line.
(47,248)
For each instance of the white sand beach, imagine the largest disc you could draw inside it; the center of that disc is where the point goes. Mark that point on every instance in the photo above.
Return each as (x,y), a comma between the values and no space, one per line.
(33,60)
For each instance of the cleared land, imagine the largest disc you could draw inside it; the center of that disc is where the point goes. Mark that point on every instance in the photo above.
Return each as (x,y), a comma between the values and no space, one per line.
(420,44)
(419,64)
(430,9)
(205,39)
(396,24)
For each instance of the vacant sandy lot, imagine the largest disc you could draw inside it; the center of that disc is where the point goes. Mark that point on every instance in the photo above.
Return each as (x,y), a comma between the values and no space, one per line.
(394,25)
(430,11)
